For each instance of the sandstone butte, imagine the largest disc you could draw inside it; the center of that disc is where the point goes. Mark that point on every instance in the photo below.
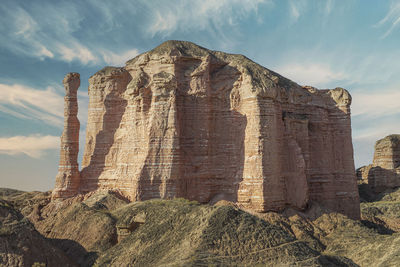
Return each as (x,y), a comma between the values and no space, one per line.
(384,172)
(185,121)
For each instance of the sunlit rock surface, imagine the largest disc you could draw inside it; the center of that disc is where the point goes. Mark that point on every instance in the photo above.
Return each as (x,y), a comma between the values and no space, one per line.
(384,172)
(184,121)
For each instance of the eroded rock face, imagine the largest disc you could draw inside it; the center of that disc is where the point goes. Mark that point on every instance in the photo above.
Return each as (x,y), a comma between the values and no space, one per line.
(68,177)
(384,172)
(184,121)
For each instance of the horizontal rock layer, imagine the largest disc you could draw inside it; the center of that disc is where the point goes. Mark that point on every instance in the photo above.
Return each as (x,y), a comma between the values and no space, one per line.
(68,177)
(184,121)
(384,172)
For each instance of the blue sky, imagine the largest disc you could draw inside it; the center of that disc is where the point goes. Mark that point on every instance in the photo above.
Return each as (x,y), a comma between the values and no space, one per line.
(326,44)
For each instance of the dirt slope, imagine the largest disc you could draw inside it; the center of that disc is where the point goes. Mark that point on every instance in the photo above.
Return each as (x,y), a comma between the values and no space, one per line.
(103,229)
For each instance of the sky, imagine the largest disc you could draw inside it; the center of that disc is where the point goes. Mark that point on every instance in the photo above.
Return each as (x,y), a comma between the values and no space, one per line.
(352,44)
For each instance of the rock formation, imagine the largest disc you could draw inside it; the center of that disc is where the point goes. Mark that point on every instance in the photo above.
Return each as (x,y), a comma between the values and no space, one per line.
(68,177)
(384,172)
(184,121)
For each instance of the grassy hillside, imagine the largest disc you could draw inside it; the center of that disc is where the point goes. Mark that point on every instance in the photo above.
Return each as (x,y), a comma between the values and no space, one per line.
(103,229)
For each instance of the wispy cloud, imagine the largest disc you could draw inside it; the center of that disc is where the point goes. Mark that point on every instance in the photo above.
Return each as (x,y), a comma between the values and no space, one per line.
(120,58)
(29,103)
(44,105)
(297,8)
(168,17)
(294,10)
(75,51)
(45,32)
(391,20)
(342,65)
(365,136)
(374,116)
(55,30)
(33,146)
(381,103)
(377,131)
(302,8)
(315,74)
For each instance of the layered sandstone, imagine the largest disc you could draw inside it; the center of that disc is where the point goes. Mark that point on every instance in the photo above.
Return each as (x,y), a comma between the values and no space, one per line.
(184,121)
(384,172)
(68,177)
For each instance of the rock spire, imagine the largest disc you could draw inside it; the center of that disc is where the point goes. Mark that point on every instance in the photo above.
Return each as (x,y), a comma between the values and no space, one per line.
(68,177)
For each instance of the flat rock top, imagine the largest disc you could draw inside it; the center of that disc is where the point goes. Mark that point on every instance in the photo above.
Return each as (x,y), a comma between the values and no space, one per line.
(393,139)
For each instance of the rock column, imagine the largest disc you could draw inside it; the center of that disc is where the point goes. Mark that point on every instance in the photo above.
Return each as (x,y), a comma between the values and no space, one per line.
(68,177)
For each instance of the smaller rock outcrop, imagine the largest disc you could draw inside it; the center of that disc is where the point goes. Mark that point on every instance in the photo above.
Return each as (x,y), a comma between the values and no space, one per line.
(68,177)
(384,172)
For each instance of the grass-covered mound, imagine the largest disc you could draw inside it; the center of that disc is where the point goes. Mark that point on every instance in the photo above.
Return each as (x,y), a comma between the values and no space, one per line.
(183,233)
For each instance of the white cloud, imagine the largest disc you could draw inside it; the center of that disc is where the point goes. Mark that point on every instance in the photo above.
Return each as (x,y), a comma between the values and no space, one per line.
(45,32)
(381,103)
(76,51)
(168,17)
(294,11)
(33,146)
(48,32)
(44,105)
(25,25)
(297,8)
(28,103)
(55,30)
(118,59)
(391,20)
(314,74)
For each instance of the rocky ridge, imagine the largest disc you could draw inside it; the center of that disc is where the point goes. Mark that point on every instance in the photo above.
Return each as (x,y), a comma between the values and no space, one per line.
(104,229)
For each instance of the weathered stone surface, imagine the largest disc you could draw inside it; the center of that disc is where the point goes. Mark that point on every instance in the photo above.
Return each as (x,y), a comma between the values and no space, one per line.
(384,172)
(68,177)
(387,152)
(184,121)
